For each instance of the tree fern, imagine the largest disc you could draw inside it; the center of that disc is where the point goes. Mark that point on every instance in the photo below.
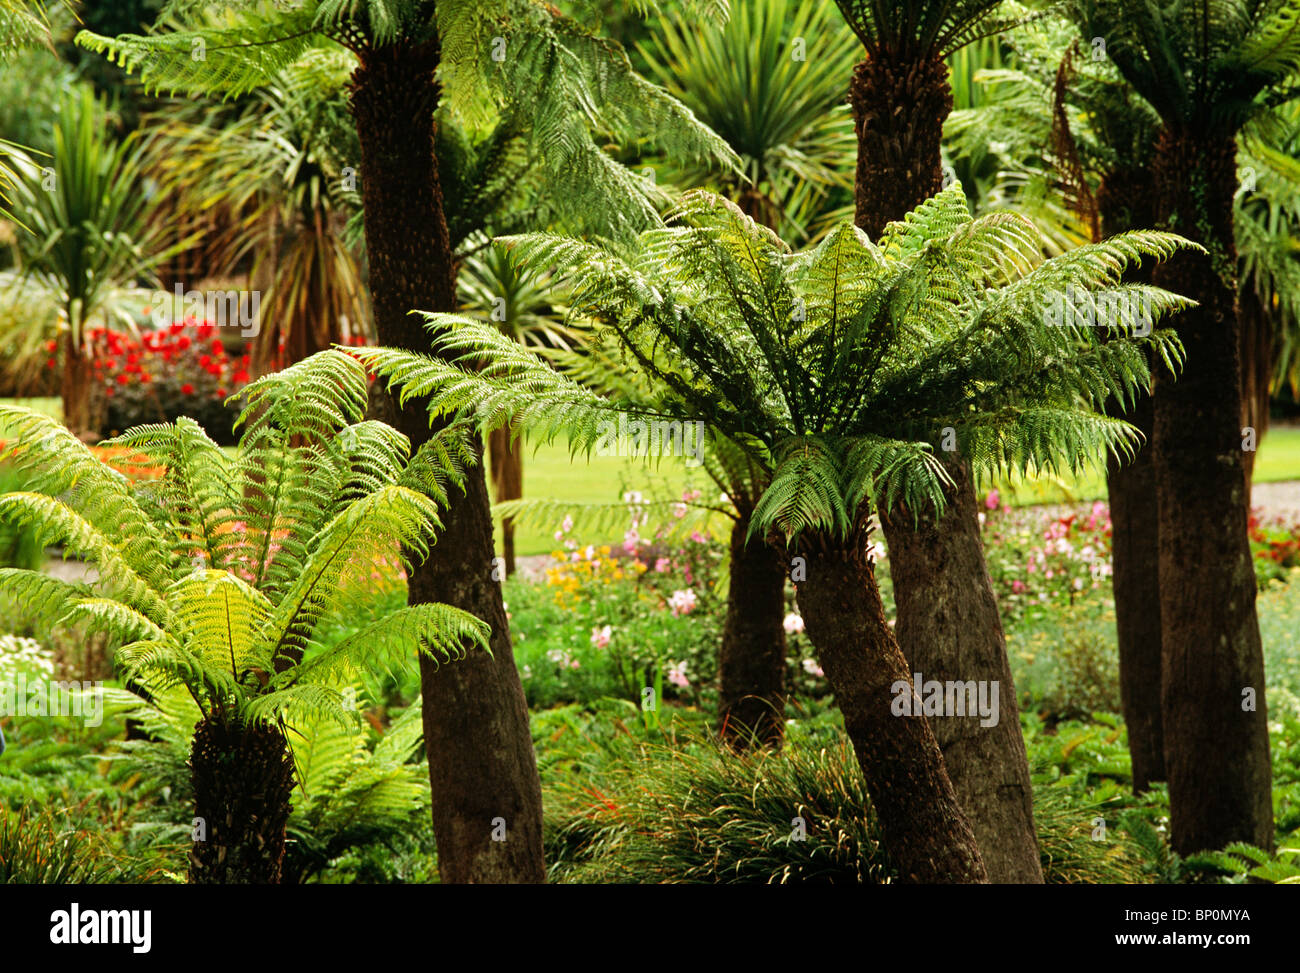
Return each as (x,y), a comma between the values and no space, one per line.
(836,370)
(215,575)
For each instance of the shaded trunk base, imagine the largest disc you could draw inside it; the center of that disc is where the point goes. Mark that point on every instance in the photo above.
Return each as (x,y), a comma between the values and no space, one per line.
(949,630)
(243,780)
(751,661)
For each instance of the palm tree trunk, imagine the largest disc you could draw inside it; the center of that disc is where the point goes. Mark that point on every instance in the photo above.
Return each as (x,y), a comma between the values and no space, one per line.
(1134,517)
(1216,734)
(507,465)
(1124,202)
(76,386)
(948,622)
(751,661)
(243,782)
(949,628)
(481,761)
(1256,373)
(926,833)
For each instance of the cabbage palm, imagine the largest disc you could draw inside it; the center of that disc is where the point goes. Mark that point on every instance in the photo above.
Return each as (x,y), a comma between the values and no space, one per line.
(837,370)
(216,576)
(87,231)
(771,82)
(1207,69)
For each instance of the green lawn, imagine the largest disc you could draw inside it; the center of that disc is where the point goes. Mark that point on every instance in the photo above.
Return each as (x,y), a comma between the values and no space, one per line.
(549,473)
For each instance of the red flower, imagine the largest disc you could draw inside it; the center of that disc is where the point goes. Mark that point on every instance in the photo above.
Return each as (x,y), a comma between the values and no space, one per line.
(205,361)
(221,393)
(51,363)
(52,346)
(183,342)
(239,376)
(217,347)
(187,389)
(123,378)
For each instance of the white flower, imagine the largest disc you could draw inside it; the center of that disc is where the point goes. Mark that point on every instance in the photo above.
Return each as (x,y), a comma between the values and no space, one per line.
(811,667)
(793,624)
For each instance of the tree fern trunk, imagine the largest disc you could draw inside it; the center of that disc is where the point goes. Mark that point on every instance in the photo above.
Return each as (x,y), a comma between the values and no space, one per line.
(926,833)
(948,624)
(1125,202)
(751,661)
(1216,734)
(507,466)
(1256,373)
(243,781)
(949,628)
(481,761)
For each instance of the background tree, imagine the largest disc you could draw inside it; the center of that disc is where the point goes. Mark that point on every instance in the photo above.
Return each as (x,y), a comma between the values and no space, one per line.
(939,325)
(948,623)
(481,761)
(1205,68)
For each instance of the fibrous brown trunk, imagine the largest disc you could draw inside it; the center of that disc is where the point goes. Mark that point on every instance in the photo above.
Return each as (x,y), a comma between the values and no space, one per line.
(1256,373)
(1216,734)
(751,661)
(948,622)
(1125,202)
(1135,545)
(243,781)
(76,386)
(507,466)
(949,628)
(487,807)
(926,833)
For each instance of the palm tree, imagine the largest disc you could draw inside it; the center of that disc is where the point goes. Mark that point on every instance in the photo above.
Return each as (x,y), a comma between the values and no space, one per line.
(837,370)
(1205,68)
(409,54)
(948,623)
(216,576)
(772,83)
(88,231)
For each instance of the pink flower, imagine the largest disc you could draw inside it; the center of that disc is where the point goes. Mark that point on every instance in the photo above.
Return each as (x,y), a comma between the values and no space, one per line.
(600,636)
(698,537)
(793,624)
(992,500)
(679,510)
(811,667)
(662,565)
(1017,586)
(677,675)
(630,540)
(682,602)
(567,524)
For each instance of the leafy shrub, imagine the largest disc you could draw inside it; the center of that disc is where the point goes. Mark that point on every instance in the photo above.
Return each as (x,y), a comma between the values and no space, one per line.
(1065,661)
(690,811)
(41,850)
(1274,547)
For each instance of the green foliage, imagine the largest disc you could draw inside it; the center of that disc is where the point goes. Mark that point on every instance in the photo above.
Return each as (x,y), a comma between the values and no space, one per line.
(772,83)
(911,29)
(835,369)
(548,65)
(689,811)
(39,849)
(1205,66)
(90,230)
(18,547)
(216,575)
